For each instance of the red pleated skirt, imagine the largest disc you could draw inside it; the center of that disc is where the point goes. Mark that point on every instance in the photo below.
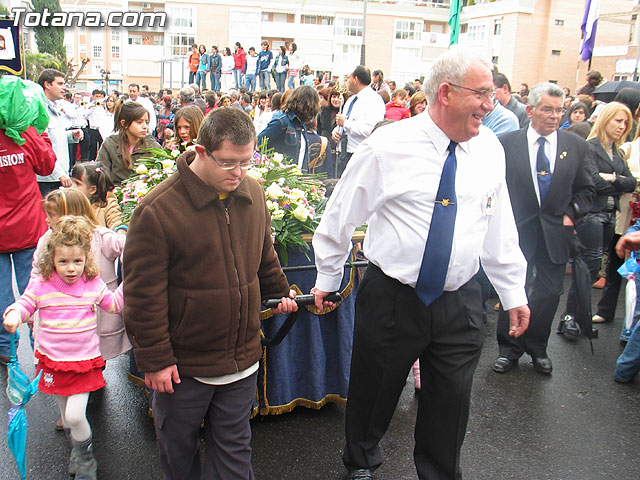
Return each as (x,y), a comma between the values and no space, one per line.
(69,378)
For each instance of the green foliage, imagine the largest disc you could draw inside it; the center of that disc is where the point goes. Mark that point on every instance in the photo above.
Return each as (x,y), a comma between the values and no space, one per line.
(3,10)
(34,63)
(50,39)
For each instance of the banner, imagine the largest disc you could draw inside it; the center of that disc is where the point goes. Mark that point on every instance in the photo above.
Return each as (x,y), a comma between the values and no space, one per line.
(589,26)
(454,21)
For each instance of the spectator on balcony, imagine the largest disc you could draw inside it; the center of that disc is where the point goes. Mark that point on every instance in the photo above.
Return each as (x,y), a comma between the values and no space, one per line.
(194,61)
(239,58)
(204,66)
(265,64)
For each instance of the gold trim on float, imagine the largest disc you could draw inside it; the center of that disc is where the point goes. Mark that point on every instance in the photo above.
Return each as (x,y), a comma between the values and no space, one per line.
(301,402)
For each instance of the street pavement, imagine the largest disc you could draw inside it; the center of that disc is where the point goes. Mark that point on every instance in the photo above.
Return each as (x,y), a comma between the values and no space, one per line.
(577,424)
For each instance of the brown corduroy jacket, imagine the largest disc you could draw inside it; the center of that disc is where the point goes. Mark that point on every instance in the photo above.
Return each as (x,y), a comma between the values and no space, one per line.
(194,276)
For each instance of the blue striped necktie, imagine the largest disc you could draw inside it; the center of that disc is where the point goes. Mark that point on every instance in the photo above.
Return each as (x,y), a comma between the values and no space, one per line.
(435,261)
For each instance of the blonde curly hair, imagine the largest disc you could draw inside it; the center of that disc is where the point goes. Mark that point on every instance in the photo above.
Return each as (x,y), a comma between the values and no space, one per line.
(70,231)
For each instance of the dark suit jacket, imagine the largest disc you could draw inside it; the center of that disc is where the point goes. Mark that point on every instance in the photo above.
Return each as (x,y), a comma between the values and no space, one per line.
(601,163)
(571,193)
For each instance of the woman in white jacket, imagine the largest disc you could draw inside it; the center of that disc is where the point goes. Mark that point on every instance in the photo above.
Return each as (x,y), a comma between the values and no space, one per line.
(226,70)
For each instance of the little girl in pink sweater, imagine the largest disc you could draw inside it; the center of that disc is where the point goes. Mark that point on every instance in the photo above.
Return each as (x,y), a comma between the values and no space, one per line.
(67,295)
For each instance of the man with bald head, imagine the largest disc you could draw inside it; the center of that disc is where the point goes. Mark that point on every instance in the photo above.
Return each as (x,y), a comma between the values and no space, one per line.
(433,191)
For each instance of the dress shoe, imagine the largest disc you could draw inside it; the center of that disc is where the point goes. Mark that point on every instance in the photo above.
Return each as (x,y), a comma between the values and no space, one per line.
(569,327)
(542,365)
(360,474)
(503,365)
(598,319)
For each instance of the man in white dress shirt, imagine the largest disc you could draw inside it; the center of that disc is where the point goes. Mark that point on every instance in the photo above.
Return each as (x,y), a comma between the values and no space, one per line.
(134,96)
(391,182)
(360,113)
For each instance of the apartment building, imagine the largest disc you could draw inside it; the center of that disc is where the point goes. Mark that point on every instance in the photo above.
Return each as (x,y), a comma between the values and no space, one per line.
(528,40)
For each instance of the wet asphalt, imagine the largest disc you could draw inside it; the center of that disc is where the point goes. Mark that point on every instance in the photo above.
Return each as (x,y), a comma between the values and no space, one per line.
(577,424)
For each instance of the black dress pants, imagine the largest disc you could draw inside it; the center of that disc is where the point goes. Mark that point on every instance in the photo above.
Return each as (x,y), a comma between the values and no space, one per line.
(392,329)
(543,291)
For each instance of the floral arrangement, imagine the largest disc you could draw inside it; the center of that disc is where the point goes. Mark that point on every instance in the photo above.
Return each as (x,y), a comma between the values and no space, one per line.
(149,172)
(295,199)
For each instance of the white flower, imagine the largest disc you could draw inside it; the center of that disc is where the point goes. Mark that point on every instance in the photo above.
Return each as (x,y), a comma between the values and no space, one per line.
(281,181)
(175,152)
(277,214)
(168,164)
(254,173)
(190,147)
(142,168)
(301,213)
(278,157)
(274,191)
(297,194)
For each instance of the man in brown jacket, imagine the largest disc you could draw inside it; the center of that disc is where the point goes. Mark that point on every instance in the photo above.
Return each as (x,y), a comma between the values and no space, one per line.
(199,258)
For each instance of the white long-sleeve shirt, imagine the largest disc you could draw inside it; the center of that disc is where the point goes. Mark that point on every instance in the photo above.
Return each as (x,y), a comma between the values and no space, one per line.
(366,112)
(391,181)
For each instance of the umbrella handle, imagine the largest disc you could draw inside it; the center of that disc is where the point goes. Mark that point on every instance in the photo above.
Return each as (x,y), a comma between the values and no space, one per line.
(14,337)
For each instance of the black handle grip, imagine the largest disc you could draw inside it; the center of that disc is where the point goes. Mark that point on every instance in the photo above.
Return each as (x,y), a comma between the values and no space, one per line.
(303,300)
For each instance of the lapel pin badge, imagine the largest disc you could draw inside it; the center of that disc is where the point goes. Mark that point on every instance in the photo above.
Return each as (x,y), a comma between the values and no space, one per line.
(562,155)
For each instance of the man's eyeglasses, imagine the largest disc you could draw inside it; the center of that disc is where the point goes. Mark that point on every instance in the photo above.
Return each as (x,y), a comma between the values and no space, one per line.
(481,94)
(550,110)
(231,165)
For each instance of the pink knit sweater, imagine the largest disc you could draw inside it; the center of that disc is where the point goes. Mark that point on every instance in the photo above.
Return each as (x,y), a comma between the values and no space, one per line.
(68,315)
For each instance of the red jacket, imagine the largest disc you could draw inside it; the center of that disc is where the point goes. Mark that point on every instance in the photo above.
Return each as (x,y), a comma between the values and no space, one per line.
(194,61)
(239,58)
(21,216)
(396,112)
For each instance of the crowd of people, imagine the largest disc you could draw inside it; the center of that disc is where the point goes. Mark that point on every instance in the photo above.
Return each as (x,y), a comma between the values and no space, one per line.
(454,209)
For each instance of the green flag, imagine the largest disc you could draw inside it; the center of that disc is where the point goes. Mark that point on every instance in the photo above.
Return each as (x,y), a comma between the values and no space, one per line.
(454,21)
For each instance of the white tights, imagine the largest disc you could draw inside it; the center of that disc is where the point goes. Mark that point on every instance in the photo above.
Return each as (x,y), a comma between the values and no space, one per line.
(73,410)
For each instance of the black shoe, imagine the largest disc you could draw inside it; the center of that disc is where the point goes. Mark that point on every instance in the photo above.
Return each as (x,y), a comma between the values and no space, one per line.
(569,327)
(503,365)
(4,360)
(542,365)
(360,474)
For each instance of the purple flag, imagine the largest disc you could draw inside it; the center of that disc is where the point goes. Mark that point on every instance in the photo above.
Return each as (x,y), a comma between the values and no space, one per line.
(589,26)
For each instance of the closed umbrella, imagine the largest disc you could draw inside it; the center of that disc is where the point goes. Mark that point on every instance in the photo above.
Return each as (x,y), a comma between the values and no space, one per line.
(582,285)
(19,391)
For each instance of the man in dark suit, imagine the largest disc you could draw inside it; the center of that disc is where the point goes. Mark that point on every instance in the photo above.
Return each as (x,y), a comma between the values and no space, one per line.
(550,187)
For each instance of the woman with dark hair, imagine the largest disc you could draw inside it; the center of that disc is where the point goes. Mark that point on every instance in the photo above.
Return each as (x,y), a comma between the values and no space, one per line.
(226,70)
(295,64)
(378,83)
(577,113)
(211,99)
(262,113)
(284,133)
(280,67)
(164,117)
(119,153)
(204,66)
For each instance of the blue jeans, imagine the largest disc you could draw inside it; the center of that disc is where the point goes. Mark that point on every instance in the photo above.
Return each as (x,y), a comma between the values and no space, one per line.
(265,80)
(201,76)
(250,82)
(291,84)
(215,81)
(18,263)
(237,76)
(628,363)
(192,77)
(280,78)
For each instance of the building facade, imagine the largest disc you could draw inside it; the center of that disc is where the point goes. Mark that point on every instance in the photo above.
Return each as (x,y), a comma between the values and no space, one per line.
(528,40)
